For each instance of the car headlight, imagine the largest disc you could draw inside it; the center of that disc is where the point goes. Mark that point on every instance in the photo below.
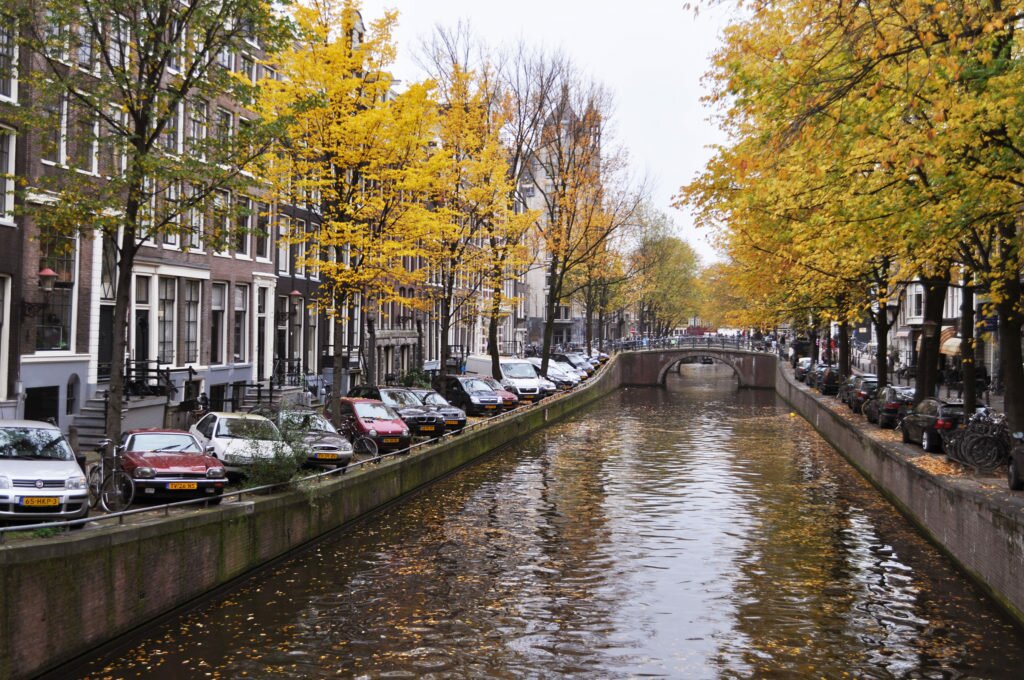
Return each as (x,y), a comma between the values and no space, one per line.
(5,482)
(405,433)
(71,483)
(372,433)
(215,473)
(475,400)
(144,473)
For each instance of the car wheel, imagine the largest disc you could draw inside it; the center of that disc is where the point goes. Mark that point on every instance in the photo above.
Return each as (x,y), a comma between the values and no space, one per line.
(928,441)
(1015,472)
(215,500)
(884,422)
(906,435)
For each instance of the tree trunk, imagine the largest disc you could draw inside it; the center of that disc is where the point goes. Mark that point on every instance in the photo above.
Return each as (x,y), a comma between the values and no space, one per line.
(339,358)
(928,360)
(1010,324)
(844,348)
(549,321)
(882,349)
(122,302)
(445,327)
(968,374)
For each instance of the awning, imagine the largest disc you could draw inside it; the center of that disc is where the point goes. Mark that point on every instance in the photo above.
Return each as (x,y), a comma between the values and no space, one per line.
(950,347)
(947,333)
(904,333)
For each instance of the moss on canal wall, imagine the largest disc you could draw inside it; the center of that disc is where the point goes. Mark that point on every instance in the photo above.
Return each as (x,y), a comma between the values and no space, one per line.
(62,597)
(980,527)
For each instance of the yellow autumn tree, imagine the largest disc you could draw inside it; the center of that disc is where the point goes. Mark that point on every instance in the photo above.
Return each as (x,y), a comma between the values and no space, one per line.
(360,148)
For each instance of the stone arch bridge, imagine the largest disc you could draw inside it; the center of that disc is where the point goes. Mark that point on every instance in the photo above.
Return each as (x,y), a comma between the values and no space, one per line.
(753,367)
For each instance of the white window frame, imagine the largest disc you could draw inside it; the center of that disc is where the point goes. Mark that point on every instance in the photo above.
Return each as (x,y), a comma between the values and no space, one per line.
(245,234)
(5,334)
(7,177)
(61,152)
(13,77)
(300,248)
(240,294)
(226,321)
(284,251)
(196,221)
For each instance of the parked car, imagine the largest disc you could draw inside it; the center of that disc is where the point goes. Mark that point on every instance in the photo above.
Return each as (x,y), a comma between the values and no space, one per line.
(422,421)
(471,394)
(558,376)
(830,379)
(862,391)
(575,360)
(374,419)
(845,387)
(237,439)
(454,417)
(891,404)
(509,400)
(922,424)
(803,365)
(815,373)
(325,446)
(855,385)
(40,478)
(518,376)
(170,465)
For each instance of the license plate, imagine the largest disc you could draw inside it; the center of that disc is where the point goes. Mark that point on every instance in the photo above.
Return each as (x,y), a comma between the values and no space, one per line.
(427,428)
(40,501)
(391,440)
(491,406)
(182,486)
(327,456)
(451,422)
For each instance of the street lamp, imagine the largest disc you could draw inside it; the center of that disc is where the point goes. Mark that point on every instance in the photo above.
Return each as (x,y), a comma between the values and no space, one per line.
(47,281)
(928,328)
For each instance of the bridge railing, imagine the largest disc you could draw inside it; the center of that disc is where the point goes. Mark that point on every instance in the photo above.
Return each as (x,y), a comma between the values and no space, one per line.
(698,342)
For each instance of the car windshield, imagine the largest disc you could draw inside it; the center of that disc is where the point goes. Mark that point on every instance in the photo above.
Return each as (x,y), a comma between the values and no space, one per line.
(491,383)
(518,370)
(162,441)
(248,428)
(399,398)
(35,443)
(368,410)
(477,385)
(433,399)
(307,422)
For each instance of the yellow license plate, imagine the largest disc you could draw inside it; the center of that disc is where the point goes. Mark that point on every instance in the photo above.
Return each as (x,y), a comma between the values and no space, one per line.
(182,486)
(491,406)
(327,456)
(40,501)
(427,428)
(451,422)
(391,440)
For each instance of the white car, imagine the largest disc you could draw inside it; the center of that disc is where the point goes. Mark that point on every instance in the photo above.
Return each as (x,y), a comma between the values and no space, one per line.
(237,439)
(559,373)
(40,480)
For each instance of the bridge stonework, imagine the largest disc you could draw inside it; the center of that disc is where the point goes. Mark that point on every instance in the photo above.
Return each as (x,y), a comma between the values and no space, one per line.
(649,367)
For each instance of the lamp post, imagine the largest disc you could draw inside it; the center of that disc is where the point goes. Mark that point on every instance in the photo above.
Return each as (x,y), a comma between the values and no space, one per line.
(47,281)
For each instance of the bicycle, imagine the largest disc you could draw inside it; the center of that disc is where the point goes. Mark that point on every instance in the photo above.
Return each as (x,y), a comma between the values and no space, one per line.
(110,487)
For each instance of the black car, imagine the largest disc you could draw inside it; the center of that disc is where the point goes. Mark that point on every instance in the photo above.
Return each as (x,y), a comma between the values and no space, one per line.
(470,394)
(814,374)
(843,394)
(846,395)
(923,423)
(421,420)
(830,381)
(325,446)
(454,417)
(889,406)
(803,365)
(863,390)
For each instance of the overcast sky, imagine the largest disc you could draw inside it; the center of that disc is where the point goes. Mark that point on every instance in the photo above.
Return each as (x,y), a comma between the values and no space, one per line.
(650,53)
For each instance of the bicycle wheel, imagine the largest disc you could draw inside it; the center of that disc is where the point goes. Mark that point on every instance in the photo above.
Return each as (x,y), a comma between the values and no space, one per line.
(118,491)
(365,445)
(985,453)
(95,484)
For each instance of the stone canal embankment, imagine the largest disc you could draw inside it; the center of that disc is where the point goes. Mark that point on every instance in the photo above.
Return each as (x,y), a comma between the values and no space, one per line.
(978,523)
(64,596)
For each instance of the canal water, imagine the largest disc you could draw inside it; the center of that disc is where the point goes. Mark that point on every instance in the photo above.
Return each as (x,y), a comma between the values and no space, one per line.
(693,532)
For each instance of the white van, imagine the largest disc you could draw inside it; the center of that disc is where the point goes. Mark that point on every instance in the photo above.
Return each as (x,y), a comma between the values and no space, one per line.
(517,375)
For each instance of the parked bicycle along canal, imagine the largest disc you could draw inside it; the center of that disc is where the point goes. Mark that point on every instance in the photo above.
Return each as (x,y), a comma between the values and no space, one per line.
(697,531)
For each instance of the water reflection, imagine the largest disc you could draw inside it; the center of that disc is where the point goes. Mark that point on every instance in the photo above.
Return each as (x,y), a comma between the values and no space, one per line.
(690,532)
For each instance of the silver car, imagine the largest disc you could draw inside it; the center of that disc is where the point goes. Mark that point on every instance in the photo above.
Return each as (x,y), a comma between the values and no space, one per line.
(40,480)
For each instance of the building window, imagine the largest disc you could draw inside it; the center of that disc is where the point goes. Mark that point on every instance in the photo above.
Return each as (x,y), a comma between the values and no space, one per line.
(165,311)
(192,293)
(52,141)
(283,225)
(53,326)
(221,219)
(262,235)
(241,327)
(83,152)
(170,237)
(86,46)
(917,302)
(7,147)
(300,248)
(169,137)
(198,120)
(8,58)
(223,125)
(243,226)
(194,222)
(218,305)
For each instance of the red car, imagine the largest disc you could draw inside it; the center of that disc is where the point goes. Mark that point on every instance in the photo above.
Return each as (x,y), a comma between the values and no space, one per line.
(509,401)
(374,419)
(171,465)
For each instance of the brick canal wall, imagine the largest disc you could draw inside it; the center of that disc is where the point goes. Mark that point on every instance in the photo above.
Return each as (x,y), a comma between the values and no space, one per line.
(979,527)
(62,597)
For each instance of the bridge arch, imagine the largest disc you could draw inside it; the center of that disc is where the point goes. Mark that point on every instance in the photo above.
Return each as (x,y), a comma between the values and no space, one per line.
(753,368)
